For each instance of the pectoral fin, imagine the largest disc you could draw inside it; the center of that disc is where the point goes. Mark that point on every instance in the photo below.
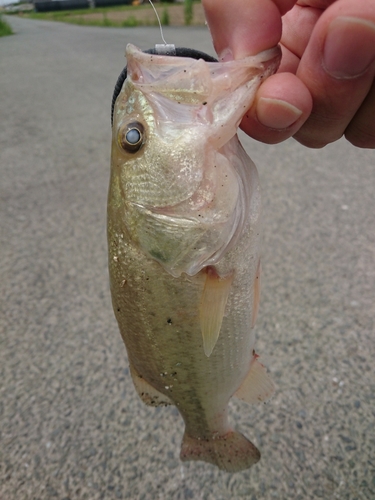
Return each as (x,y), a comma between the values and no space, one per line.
(212,307)
(149,395)
(258,385)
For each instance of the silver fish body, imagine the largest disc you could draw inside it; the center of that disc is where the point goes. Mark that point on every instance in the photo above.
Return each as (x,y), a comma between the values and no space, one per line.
(183,238)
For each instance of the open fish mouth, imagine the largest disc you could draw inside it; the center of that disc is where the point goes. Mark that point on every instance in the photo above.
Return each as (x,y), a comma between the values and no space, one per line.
(179,52)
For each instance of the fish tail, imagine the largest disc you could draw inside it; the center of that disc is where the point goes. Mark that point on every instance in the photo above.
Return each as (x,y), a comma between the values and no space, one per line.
(231,452)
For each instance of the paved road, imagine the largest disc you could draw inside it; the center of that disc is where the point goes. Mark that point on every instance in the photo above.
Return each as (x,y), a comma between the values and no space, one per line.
(71,425)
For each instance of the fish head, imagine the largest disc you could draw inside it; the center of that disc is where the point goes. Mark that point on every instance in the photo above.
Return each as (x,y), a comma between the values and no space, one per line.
(160,101)
(173,155)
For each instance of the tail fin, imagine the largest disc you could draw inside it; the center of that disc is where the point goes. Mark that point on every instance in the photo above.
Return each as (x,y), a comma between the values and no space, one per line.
(231,452)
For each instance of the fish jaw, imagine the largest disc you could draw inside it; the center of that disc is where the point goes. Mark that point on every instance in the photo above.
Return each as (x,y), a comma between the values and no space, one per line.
(187,91)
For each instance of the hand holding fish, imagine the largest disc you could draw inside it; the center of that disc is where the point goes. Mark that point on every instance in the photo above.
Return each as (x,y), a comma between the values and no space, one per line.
(325,86)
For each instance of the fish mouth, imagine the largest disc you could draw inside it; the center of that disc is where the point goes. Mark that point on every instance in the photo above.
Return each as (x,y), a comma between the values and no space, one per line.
(179,52)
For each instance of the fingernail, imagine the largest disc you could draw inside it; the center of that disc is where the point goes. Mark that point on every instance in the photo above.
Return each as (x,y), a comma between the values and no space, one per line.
(226,55)
(277,114)
(349,47)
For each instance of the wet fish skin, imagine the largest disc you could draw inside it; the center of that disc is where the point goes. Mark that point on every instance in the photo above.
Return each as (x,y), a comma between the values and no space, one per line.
(183,239)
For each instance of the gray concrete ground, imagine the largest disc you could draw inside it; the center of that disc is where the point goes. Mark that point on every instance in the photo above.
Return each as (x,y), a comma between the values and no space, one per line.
(71,424)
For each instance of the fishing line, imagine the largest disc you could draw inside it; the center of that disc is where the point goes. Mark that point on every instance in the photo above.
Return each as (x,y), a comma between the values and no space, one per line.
(167,48)
(157,15)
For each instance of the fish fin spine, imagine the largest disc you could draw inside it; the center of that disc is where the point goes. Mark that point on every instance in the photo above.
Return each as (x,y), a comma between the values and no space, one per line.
(257,386)
(231,452)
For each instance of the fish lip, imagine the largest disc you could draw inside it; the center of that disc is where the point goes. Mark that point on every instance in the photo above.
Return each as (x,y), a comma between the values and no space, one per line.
(266,61)
(141,56)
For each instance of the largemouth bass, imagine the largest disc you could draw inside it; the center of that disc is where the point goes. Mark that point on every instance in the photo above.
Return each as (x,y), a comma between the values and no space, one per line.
(183,237)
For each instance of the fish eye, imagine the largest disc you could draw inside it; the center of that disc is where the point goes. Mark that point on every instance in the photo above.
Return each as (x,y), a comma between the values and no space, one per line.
(131,137)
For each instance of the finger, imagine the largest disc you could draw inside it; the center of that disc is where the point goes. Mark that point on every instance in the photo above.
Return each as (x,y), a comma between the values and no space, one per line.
(244,27)
(282,105)
(289,61)
(298,24)
(361,130)
(338,68)
(316,4)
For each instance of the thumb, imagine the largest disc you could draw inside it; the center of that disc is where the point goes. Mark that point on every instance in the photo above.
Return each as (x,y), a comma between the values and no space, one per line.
(240,28)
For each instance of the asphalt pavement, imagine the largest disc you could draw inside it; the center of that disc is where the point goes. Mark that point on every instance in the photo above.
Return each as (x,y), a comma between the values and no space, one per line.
(71,424)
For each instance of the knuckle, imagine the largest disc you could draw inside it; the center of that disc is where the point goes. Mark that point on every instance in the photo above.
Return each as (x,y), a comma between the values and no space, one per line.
(361,137)
(321,128)
(316,139)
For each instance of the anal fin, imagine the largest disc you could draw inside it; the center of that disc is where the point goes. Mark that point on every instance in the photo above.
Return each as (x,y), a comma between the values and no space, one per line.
(257,386)
(212,307)
(149,395)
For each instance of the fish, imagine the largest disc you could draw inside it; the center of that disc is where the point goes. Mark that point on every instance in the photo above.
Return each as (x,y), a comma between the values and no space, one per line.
(184,231)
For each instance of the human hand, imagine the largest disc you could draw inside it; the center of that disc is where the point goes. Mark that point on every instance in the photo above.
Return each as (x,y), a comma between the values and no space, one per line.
(325,86)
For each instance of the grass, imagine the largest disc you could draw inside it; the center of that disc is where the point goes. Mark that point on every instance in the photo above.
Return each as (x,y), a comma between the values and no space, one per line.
(79,16)
(76,16)
(165,17)
(5,29)
(188,11)
(130,22)
(78,12)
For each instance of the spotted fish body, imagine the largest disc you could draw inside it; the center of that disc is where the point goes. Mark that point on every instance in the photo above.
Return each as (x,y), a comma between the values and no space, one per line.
(183,238)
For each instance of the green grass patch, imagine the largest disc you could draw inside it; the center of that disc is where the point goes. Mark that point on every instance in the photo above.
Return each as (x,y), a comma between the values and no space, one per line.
(63,15)
(80,16)
(130,22)
(75,12)
(188,11)
(5,29)
(165,17)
